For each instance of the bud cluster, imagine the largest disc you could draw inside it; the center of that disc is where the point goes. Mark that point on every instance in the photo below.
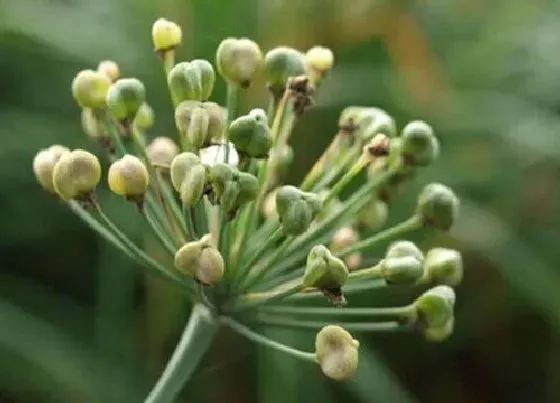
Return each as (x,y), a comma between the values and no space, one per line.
(242,241)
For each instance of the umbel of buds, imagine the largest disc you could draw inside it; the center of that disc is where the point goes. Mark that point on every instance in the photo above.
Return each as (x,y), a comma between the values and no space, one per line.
(296,209)
(191,81)
(251,135)
(128,177)
(201,260)
(337,352)
(76,174)
(217,201)
(239,60)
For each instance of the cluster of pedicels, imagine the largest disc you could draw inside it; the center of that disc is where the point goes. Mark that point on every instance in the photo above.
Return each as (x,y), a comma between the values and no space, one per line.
(248,247)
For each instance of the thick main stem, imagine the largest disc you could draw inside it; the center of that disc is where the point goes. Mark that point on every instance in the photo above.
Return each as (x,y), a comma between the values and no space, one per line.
(195,341)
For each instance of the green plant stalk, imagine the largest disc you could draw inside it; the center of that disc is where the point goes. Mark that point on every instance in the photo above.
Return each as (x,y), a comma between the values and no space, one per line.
(162,237)
(193,344)
(231,105)
(388,326)
(316,171)
(258,338)
(346,179)
(369,273)
(402,312)
(188,214)
(348,289)
(411,224)
(252,300)
(340,164)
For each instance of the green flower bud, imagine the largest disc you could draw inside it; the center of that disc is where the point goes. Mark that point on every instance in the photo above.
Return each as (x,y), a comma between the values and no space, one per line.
(166,35)
(281,63)
(337,352)
(443,266)
(161,151)
(239,60)
(128,177)
(193,121)
(93,127)
(296,209)
(110,69)
(374,215)
(191,81)
(125,97)
(377,121)
(201,260)
(219,175)
(404,249)
(319,59)
(44,163)
(217,119)
(401,270)
(441,333)
(323,270)
(420,146)
(437,206)
(248,188)
(231,188)
(76,174)
(90,88)
(144,118)
(188,177)
(435,307)
(251,135)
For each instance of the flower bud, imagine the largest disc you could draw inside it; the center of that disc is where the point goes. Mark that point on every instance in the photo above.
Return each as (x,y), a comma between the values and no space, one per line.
(319,59)
(441,333)
(239,60)
(443,266)
(343,238)
(166,35)
(437,206)
(191,81)
(217,119)
(193,121)
(251,135)
(281,63)
(401,270)
(188,177)
(377,121)
(296,209)
(43,165)
(337,352)
(110,69)
(323,270)
(404,249)
(231,188)
(374,215)
(128,177)
(420,146)
(76,174)
(125,97)
(144,118)
(201,260)
(93,127)
(435,307)
(90,88)
(162,150)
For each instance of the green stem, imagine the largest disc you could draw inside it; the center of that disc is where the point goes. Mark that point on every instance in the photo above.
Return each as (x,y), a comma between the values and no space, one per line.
(411,224)
(400,312)
(231,105)
(188,214)
(388,326)
(347,289)
(195,341)
(345,180)
(258,338)
(369,273)
(252,300)
(165,241)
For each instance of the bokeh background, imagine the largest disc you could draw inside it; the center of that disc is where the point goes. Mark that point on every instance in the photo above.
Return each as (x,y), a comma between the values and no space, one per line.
(80,323)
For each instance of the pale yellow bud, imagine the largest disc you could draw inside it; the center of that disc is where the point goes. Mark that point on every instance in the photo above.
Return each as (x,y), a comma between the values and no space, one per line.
(110,69)
(43,165)
(162,150)
(166,35)
(76,174)
(128,177)
(337,352)
(320,59)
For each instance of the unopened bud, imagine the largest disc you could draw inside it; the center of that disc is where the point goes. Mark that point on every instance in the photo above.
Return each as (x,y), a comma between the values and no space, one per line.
(441,333)
(110,69)
(337,352)
(404,249)
(191,81)
(162,150)
(144,118)
(231,188)
(188,177)
(76,174)
(296,209)
(401,270)
(281,63)
(323,270)
(319,59)
(251,135)
(201,260)
(128,177)
(437,206)
(443,266)
(435,307)
(90,88)
(43,165)
(419,144)
(166,35)
(125,97)
(217,119)
(239,60)
(193,122)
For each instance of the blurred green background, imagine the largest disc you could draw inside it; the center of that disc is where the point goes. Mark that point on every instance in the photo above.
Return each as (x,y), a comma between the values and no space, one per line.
(80,323)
